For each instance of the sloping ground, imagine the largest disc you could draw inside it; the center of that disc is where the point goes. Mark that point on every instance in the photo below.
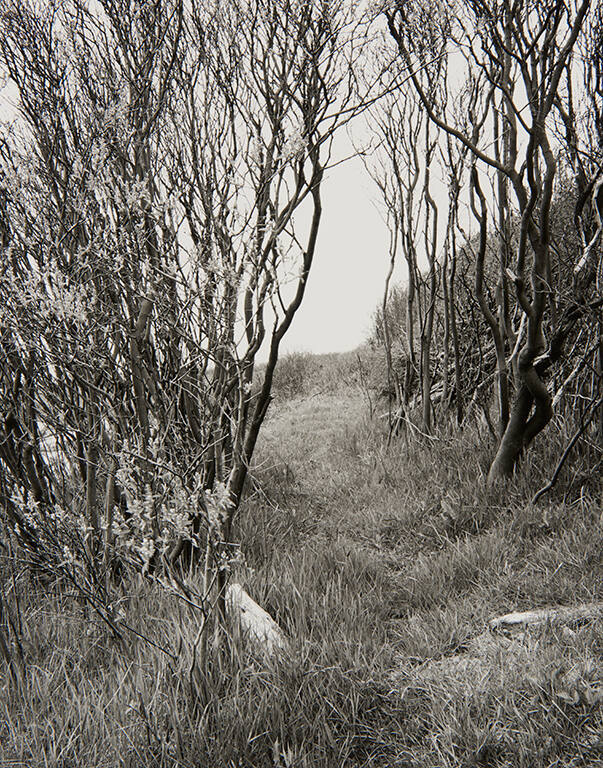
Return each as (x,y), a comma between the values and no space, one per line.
(424,557)
(308,433)
(383,564)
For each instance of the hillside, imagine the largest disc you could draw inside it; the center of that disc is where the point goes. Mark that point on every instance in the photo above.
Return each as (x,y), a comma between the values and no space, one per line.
(384,565)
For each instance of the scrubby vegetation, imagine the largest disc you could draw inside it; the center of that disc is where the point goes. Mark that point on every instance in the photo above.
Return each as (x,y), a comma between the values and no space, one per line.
(383,564)
(161,195)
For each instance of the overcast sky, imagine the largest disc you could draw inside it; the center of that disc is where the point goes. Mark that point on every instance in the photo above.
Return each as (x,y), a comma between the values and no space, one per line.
(348,275)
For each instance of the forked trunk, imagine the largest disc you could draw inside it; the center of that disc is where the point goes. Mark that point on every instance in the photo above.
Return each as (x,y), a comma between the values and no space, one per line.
(522,428)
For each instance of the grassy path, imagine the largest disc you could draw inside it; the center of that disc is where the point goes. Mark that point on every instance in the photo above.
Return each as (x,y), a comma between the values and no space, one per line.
(383,566)
(405,558)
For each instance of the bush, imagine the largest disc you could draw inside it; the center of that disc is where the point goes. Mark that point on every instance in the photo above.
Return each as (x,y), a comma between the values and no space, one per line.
(294,373)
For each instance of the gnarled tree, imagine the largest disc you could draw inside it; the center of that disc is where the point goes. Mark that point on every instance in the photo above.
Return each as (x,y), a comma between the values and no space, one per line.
(518,54)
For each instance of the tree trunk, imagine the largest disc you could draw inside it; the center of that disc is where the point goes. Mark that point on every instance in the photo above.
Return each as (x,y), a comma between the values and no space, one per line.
(393,381)
(431,244)
(600,377)
(91,510)
(458,383)
(511,444)
(522,428)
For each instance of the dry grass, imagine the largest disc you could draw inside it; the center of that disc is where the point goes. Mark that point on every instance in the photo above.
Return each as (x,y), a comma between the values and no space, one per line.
(383,564)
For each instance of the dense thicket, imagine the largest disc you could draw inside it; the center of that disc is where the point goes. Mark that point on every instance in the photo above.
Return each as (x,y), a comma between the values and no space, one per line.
(150,173)
(501,101)
(149,176)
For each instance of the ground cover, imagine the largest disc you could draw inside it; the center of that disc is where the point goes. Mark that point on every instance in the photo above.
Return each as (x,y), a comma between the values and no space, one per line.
(383,564)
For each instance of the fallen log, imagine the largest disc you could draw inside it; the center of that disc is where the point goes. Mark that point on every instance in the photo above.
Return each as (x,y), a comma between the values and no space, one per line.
(255,622)
(561,615)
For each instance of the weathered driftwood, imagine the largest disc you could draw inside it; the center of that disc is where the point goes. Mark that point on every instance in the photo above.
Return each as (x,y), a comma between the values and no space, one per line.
(561,615)
(255,622)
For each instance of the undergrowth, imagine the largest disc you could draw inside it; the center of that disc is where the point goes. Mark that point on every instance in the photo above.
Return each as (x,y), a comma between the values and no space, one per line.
(383,562)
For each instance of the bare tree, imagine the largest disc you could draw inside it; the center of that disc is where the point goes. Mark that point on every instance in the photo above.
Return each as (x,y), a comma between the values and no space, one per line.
(396,169)
(161,200)
(402,166)
(518,53)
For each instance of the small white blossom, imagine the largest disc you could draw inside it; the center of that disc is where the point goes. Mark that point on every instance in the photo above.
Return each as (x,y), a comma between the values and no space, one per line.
(295,144)
(256,151)
(68,556)
(146,550)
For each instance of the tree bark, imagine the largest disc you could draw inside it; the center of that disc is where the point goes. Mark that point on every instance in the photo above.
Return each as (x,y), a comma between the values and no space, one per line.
(522,428)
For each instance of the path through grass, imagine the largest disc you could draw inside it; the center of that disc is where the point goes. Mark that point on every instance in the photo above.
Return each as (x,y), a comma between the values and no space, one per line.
(384,566)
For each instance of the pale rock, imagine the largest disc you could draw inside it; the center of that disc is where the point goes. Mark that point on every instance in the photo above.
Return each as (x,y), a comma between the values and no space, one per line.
(255,622)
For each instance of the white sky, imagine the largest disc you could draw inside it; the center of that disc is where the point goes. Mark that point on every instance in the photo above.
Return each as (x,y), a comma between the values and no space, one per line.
(348,274)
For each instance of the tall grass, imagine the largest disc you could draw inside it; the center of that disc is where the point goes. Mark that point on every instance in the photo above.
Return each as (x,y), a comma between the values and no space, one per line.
(383,563)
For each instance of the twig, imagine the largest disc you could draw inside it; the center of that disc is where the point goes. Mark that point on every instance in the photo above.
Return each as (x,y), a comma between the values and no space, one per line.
(566,452)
